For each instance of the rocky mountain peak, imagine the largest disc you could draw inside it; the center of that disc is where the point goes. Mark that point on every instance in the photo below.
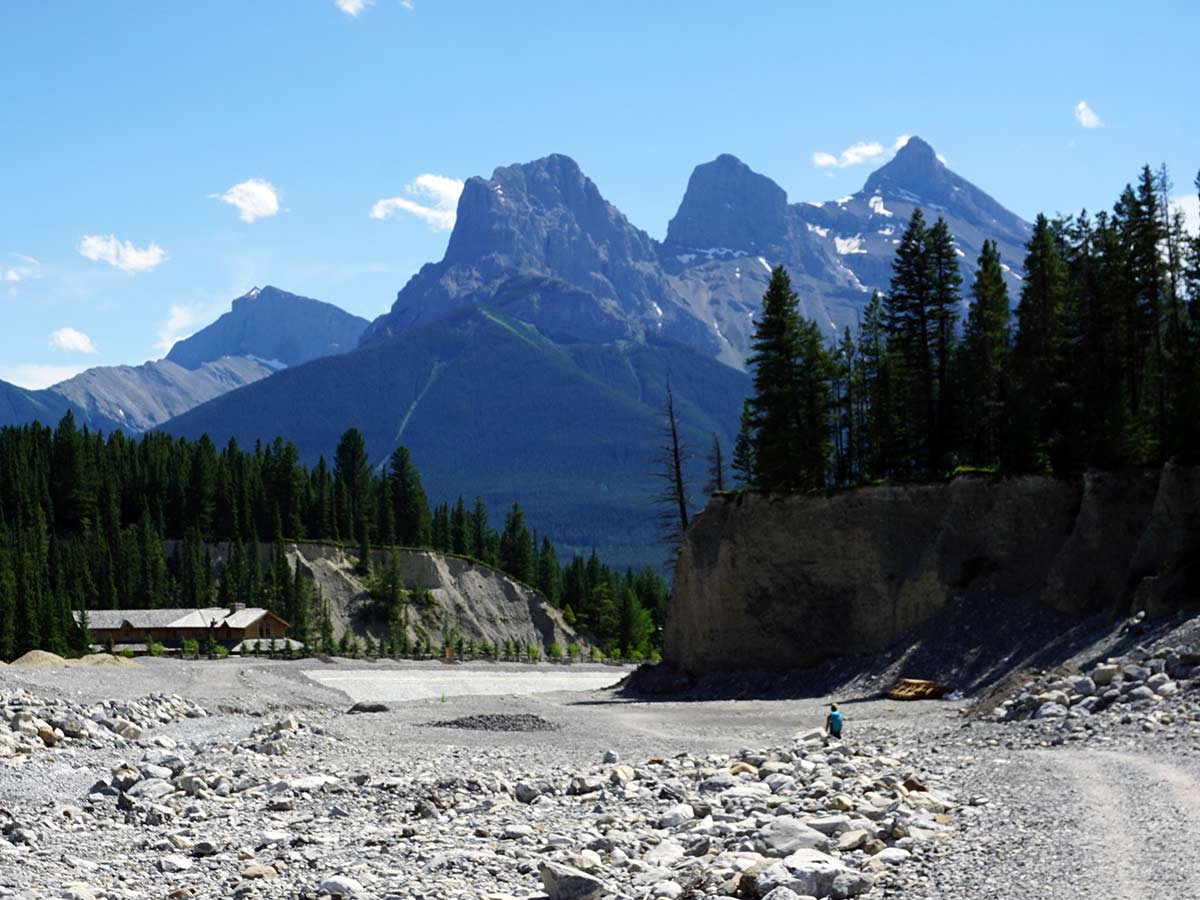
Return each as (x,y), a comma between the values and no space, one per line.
(915,169)
(271,324)
(729,205)
(544,220)
(917,176)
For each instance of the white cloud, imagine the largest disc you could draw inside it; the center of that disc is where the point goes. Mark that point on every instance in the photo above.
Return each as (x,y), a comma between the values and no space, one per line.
(35,376)
(353,7)
(255,198)
(1189,204)
(436,203)
(856,154)
(1086,117)
(121,254)
(72,340)
(26,268)
(181,322)
(852,156)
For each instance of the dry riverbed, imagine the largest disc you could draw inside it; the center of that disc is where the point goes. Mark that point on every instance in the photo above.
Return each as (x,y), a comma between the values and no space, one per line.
(253,779)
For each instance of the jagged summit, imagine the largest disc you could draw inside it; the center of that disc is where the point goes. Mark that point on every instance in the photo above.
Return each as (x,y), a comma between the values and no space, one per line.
(543,227)
(916,176)
(729,205)
(548,221)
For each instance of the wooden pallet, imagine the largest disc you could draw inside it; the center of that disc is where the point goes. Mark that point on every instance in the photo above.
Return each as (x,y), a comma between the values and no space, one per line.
(917,689)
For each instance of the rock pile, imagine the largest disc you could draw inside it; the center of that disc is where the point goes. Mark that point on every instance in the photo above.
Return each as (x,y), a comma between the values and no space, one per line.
(498,722)
(29,723)
(805,820)
(1159,688)
(303,809)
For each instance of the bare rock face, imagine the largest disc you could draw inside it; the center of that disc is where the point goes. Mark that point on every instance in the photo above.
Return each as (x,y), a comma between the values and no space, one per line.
(482,603)
(775,582)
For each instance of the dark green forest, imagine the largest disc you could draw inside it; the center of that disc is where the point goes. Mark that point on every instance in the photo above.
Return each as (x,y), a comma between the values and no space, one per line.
(1098,364)
(89,521)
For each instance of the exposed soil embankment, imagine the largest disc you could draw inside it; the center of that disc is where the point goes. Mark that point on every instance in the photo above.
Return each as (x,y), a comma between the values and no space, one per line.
(780,582)
(474,600)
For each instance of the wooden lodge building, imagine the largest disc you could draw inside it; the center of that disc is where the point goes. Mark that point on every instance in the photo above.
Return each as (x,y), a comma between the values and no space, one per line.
(236,628)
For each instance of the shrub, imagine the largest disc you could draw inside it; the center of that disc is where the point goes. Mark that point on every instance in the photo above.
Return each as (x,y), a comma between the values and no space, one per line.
(222,651)
(655,656)
(635,656)
(555,652)
(155,649)
(127,653)
(190,648)
(534,654)
(597,656)
(572,651)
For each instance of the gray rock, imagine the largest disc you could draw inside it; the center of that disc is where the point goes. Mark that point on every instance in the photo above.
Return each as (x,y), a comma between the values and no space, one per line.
(676,815)
(562,882)
(785,835)
(584,784)
(813,872)
(151,789)
(341,886)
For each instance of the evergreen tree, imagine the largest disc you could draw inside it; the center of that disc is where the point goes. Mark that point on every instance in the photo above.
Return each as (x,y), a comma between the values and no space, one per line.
(877,428)
(549,577)
(845,411)
(745,467)
(516,550)
(716,468)
(775,402)
(412,516)
(73,486)
(912,328)
(944,300)
(1039,356)
(985,354)
(459,529)
(352,475)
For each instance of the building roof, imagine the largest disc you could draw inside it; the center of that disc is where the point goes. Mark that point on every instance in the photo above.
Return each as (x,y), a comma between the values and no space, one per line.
(244,618)
(162,619)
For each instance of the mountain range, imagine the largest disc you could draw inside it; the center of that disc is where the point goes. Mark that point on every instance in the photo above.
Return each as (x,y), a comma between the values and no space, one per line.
(703,284)
(266,330)
(531,361)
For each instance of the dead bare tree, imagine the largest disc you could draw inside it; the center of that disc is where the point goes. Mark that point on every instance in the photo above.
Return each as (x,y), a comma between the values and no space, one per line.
(671,457)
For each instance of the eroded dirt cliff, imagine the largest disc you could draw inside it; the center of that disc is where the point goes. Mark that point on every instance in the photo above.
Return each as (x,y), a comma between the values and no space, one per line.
(778,582)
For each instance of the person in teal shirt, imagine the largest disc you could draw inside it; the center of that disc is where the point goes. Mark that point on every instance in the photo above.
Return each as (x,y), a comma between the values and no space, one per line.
(833,722)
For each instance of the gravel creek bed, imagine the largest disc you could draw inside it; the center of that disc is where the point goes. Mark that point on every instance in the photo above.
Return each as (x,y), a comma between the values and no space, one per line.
(250,779)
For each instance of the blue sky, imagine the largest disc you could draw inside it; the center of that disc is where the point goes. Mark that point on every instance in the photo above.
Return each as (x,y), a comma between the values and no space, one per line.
(158,159)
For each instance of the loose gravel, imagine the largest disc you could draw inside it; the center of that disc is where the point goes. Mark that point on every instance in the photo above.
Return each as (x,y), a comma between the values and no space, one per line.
(279,792)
